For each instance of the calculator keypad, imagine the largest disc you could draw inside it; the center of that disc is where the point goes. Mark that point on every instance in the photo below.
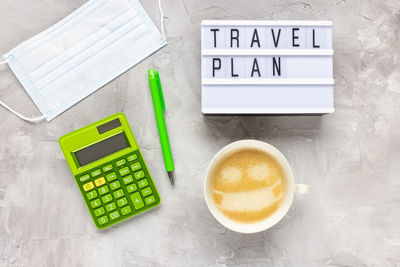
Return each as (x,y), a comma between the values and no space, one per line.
(118,190)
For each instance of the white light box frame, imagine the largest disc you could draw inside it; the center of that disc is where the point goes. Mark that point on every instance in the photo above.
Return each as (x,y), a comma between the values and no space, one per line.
(266,67)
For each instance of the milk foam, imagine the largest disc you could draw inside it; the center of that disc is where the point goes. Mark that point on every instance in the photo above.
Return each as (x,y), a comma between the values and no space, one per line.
(248,185)
(258,172)
(231,175)
(249,201)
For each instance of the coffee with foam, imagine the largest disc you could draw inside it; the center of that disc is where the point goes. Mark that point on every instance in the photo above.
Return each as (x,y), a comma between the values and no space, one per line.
(248,185)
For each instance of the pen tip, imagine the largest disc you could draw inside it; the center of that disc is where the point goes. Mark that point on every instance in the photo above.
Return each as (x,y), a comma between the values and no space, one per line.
(151,73)
(171,177)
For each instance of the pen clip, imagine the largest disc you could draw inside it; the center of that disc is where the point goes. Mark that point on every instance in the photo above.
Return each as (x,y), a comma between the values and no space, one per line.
(160,90)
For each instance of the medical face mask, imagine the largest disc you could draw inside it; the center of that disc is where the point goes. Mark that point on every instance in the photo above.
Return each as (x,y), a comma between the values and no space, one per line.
(86,50)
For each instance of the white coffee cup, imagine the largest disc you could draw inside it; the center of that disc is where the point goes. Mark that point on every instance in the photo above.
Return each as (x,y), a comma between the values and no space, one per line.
(291,187)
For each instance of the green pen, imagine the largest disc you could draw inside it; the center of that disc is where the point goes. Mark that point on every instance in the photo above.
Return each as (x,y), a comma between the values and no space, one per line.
(159,107)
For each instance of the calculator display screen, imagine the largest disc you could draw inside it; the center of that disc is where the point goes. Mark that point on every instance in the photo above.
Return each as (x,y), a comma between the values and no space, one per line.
(101,149)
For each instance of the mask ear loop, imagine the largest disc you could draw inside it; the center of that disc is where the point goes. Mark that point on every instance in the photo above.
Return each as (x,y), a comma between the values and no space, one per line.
(162,19)
(22,117)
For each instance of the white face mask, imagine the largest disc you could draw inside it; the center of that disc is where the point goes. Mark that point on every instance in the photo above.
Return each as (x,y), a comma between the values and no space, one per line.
(83,52)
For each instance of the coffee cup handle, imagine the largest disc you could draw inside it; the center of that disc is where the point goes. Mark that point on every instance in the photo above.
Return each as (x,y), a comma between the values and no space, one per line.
(302,189)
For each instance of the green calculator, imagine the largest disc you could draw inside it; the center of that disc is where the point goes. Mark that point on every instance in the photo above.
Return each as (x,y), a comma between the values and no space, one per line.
(109,170)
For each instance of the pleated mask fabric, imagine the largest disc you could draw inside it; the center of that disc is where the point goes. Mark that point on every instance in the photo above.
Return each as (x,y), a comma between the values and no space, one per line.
(92,46)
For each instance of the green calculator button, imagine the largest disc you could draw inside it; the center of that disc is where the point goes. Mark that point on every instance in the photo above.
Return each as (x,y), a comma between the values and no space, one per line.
(126,210)
(136,166)
(120,162)
(100,211)
(111,206)
(147,191)
(92,194)
(111,177)
(132,157)
(103,220)
(95,203)
(107,168)
(103,190)
(139,174)
(122,202)
(114,215)
(119,193)
(84,178)
(131,188)
(127,179)
(137,200)
(115,185)
(143,183)
(149,200)
(107,198)
(96,173)
(124,171)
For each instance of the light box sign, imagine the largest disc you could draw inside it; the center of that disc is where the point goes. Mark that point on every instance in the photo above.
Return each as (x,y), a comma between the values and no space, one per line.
(266,67)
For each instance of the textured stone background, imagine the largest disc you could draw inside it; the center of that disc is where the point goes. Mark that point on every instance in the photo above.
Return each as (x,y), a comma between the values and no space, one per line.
(350,158)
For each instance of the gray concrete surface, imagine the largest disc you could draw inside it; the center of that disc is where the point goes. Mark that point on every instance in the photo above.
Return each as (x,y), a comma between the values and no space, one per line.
(350,158)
